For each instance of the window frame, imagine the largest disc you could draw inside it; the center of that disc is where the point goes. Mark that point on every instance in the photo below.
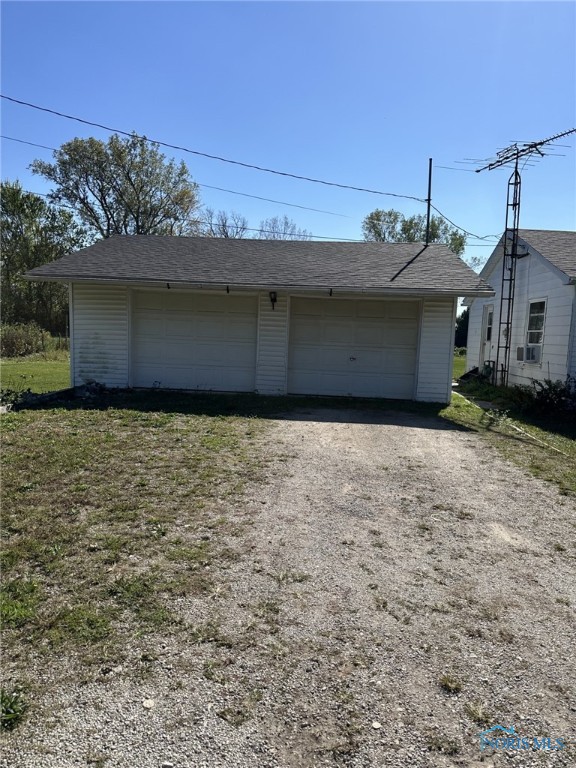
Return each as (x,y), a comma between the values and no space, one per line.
(529,345)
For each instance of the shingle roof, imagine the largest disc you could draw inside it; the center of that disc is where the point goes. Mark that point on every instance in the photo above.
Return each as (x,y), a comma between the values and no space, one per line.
(559,248)
(270,264)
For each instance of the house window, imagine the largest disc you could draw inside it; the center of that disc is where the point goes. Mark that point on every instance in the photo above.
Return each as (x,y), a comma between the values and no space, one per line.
(489,321)
(535,332)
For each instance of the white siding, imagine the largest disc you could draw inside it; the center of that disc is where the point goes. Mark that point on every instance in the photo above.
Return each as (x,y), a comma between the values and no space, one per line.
(475,332)
(100,327)
(535,280)
(272,352)
(572,354)
(436,350)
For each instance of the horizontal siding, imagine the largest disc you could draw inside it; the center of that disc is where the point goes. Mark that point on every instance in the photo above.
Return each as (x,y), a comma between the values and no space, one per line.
(572,350)
(436,351)
(475,332)
(272,352)
(100,343)
(534,280)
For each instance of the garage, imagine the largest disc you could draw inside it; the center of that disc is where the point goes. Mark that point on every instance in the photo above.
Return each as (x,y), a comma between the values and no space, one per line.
(362,348)
(194,341)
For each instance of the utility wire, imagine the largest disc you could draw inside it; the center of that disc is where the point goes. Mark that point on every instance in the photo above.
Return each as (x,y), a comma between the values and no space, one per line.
(245,229)
(205,154)
(262,231)
(237,162)
(205,186)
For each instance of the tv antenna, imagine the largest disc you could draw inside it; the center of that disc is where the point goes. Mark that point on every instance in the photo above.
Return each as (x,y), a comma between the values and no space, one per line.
(511,156)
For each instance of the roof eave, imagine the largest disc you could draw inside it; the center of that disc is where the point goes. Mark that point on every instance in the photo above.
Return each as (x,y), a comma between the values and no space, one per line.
(286,287)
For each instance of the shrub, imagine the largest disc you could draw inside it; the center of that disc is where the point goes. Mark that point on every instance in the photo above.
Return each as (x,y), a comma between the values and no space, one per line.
(555,396)
(23,339)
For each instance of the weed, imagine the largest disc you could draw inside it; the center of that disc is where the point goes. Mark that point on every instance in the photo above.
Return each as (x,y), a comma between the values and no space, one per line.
(290,577)
(18,601)
(450,684)
(79,624)
(441,743)
(559,547)
(213,670)
(12,708)
(477,712)
(243,711)
(210,632)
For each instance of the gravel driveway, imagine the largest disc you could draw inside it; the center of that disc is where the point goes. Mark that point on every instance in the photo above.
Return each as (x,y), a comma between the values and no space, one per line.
(399,588)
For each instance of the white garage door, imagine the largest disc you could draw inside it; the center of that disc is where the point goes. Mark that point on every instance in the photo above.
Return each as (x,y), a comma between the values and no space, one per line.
(193,341)
(362,348)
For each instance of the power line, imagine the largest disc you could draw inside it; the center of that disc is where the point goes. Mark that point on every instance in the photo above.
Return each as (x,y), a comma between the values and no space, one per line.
(237,162)
(205,154)
(206,186)
(466,232)
(245,229)
(262,231)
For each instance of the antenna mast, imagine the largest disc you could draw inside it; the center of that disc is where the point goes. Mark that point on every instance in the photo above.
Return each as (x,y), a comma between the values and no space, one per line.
(511,154)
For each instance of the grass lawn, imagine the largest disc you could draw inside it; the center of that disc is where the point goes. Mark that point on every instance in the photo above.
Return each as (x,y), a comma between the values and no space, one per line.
(459,366)
(38,373)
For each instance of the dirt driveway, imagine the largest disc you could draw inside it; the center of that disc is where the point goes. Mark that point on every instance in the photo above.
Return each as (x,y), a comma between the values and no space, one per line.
(399,588)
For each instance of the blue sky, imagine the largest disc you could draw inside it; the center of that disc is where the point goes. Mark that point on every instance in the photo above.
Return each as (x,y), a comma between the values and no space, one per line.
(359,93)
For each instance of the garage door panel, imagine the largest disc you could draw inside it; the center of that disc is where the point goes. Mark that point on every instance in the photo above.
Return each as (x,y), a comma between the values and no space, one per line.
(402,336)
(362,348)
(400,362)
(306,329)
(372,334)
(178,325)
(338,332)
(194,341)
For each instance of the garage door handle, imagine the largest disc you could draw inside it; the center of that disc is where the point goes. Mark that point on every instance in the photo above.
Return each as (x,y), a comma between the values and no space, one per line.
(352,358)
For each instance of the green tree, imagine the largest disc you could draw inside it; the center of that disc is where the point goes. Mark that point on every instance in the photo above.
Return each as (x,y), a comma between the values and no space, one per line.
(461,337)
(33,233)
(393,227)
(123,187)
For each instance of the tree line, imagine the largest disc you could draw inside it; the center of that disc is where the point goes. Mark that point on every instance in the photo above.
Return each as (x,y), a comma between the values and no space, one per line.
(126,186)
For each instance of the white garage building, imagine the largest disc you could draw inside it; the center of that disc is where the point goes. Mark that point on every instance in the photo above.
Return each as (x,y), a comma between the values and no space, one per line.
(267,316)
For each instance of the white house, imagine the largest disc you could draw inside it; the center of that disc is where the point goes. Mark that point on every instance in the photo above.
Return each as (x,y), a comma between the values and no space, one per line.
(267,316)
(543,325)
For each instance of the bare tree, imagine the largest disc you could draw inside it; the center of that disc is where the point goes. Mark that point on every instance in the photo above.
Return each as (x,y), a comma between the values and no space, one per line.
(282,228)
(224,224)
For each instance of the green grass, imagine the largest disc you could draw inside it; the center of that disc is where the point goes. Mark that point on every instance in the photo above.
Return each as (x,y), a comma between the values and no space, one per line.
(546,447)
(458,367)
(38,373)
(108,513)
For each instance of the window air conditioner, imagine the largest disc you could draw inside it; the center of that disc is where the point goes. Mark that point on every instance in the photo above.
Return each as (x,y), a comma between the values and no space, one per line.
(532,354)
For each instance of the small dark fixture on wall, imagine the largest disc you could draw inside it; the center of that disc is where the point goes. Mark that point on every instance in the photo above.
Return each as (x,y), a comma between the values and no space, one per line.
(168,286)
(273,298)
